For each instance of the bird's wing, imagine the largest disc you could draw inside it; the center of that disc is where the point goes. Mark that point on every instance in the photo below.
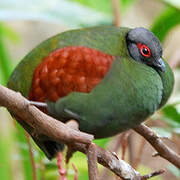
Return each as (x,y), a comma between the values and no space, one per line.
(69,69)
(66,70)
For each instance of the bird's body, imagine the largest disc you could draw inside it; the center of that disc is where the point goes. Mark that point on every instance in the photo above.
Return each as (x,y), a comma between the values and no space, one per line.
(103,77)
(103,112)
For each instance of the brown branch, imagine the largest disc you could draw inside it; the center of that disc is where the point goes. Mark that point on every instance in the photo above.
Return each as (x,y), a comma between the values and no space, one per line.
(109,160)
(156,173)
(115,6)
(92,162)
(40,122)
(113,146)
(59,132)
(162,149)
(124,142)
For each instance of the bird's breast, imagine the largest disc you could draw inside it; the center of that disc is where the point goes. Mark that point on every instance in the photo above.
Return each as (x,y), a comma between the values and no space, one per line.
(129,93)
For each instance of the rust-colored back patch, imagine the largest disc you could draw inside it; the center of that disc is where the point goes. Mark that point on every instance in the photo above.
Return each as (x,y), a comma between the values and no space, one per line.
(68,69)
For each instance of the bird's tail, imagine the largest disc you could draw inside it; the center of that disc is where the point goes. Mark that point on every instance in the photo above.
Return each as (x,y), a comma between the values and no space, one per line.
(48,146)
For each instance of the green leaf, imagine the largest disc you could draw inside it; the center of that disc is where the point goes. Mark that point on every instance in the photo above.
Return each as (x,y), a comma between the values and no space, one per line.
(9,33)
(167,20)
(99,5)
(172,113)
(126,3)
(175,3)
(102,142)
(24,152)
(62,12)
(6,146)
(5,62)
(171,123)
(105,6)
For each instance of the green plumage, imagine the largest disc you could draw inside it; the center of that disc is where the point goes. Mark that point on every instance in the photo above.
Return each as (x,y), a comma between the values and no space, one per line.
(130,92)
(109,40)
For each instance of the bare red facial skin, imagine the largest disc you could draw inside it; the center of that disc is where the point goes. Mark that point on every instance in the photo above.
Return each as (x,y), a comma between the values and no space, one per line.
(144,50)
(68,69)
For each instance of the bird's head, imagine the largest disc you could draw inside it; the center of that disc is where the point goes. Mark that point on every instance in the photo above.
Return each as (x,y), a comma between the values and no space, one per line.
(145,47)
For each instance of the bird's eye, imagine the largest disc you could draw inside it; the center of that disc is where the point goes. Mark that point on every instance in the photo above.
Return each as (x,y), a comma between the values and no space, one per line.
(144,50)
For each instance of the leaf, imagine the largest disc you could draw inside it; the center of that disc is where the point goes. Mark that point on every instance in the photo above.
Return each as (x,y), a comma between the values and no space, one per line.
(175,3)
(62,12)
(171,112)
(126,3)
(6,147)
(9,33)
(5,62)
(170,122)
(99,5)
(163,132)
(102,142)
(167,20)
(24,153)
(105,6)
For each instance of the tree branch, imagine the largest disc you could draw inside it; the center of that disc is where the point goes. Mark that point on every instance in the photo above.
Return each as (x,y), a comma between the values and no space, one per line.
(92,162)
(162,149)
(43,124)
(40,122)
(60,132)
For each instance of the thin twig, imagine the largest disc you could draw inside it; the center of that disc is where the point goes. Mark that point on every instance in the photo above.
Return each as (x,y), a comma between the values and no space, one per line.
(70,151)
(162,149)
(156,173)
(92,162)
(115,6)
(107,159)
(139,153)
(124,141)
(113,146)
(131,154)
(176,140)
(33,165)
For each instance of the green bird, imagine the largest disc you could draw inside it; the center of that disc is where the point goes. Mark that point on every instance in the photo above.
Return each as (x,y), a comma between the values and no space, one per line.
(108,79)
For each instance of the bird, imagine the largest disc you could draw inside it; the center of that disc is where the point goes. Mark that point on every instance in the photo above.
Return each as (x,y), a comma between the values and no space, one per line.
(109,79)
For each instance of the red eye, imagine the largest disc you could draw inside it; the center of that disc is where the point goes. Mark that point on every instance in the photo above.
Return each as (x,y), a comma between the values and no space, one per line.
(144,50)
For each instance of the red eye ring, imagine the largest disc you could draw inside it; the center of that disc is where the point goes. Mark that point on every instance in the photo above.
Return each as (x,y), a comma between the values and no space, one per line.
(144,50)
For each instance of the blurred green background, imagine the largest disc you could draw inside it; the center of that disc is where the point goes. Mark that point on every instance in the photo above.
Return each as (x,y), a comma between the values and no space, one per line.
(24,24)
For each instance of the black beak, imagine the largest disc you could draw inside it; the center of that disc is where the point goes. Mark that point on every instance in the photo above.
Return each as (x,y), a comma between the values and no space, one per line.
(159,64)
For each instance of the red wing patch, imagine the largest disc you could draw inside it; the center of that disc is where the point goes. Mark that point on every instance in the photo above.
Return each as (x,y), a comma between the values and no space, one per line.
(69,69)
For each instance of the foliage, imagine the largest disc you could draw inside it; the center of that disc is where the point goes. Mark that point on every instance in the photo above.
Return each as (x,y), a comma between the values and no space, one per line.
(61,12)
(169,18)
(72,13)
